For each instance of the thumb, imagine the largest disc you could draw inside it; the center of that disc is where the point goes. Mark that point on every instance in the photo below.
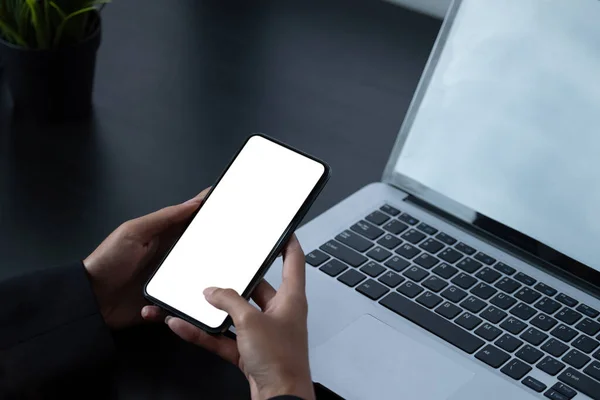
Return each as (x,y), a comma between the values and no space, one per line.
(229,301)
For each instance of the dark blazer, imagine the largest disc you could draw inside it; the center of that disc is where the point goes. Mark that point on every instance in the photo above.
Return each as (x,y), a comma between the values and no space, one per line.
(53,341)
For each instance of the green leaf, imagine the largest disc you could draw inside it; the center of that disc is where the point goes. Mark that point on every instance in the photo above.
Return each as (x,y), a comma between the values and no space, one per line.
(61,27)
(37,24)
(58,10)
(12,34)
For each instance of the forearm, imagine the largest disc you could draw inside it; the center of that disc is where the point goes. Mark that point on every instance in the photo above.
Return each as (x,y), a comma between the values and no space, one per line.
(50,328)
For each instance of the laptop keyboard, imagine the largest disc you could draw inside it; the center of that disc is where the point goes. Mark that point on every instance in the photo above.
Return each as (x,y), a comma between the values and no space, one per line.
(504,317)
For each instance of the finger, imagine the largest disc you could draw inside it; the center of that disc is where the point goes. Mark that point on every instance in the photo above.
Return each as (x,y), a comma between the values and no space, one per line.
(229,301)
(223,346)
(263,293)
(294,273)
(153,314)
(166,218)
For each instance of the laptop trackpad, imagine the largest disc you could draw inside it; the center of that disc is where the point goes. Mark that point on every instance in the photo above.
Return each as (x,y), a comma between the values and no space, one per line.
(371,360)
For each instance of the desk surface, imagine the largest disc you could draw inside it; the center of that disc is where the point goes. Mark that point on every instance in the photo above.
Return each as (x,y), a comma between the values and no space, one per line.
(179,85)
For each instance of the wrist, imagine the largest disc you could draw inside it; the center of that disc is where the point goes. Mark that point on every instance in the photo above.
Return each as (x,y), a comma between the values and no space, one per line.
(100,293)
(299,387)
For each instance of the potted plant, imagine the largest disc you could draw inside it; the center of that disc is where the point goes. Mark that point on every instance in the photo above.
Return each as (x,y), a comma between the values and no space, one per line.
(48,50)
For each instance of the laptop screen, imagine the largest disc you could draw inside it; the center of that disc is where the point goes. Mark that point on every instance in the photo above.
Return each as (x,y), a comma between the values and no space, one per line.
(508,123)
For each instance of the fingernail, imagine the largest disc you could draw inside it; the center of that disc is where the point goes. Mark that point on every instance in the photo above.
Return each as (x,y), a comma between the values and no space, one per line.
(208,291)
(167,319)
(190,201)
(144,312)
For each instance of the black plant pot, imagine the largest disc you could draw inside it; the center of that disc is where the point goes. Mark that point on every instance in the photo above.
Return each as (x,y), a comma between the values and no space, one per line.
(52,84)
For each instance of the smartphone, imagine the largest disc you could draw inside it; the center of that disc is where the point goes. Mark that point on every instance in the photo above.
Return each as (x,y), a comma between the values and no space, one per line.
(238,231)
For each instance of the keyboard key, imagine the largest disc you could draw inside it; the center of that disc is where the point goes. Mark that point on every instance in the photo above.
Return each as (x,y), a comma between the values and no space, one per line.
(367,229)
(473,304)
(576,359)
(550,366)
(464,281)
(587,310)
(533,336)
(344,253)
(588,326)
(564,390)
(547,305)
(426,261)
(448,310)
(372,269)
(488,332)
(396,227)
(389,241)
(468,321)
(409,219)
(316,258)
(492,356)
(415,273)
(354,241)
(469,265)
(430,230)
(493,314)
(527,295)
(407,251)
(566,300)
(410,289)
(545,289)
(525,279)
(585,344)
(450,255)
(523,311)
(513,325)
(484,258)
(333,268)
(568,316)
(516,369)
(397,264)
(593,370)
(434,283)
(391,279)
(508,343)
(555,347)
(464,248)
(351,277)
(445,271)
(554,395)
(454,294)
(377,218)
(429,299)
(529,354)
(534,384)
(431,245)
(488,275)
(507,285)
(432,322)
(506,269)
(596,355)
(413,236)
(379,254)
(581,382)
(445,238)
(503,301)
(483,290)
(390,210)
(372,289)
(544,322)
(564,333)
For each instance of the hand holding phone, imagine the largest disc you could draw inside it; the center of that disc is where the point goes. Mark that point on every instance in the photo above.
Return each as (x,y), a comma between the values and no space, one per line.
(239,230)
(272,346)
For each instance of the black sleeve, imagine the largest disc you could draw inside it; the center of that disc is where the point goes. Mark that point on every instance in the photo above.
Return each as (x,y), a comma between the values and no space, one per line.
(50,328)
(285,398)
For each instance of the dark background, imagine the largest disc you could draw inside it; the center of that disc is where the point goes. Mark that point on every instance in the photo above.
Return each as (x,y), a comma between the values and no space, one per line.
(179,86)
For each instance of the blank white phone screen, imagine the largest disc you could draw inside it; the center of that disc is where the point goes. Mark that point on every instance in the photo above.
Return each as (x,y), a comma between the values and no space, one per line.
(236,228)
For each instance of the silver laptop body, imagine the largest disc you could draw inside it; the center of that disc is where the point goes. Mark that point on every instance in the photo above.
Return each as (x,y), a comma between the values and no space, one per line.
(499,154)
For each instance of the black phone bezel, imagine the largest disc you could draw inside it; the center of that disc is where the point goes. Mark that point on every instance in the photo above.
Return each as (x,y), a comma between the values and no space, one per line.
(286,235)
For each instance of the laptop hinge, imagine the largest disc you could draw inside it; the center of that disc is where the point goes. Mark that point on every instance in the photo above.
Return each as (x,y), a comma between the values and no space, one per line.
(509,248)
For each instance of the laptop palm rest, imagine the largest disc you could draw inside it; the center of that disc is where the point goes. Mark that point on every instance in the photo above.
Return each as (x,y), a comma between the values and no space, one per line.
(369,360)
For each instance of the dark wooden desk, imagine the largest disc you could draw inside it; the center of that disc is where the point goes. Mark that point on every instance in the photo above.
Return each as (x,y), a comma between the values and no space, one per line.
(179,85)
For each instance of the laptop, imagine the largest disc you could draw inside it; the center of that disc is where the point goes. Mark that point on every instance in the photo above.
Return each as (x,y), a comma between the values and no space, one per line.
(472,270)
